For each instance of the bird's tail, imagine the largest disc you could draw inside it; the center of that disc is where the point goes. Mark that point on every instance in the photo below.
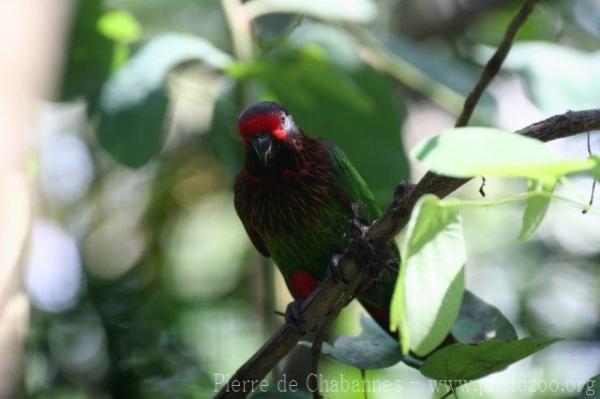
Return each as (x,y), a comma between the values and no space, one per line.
(381,316)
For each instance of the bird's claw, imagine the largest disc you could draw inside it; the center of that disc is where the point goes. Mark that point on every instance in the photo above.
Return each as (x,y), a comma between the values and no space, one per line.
(361,248)
(359,224)
(335,271)
(374,258)
(402,190)
(293,316)
(366,254)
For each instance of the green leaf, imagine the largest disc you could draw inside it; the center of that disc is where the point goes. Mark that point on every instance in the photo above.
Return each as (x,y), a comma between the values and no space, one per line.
(591,389)
(480,151)
(536,208)
(133,103)
(119,26)
(478,321)
(358,11)
(132,135)
(468,362)
(374,348)
(310,67)
(223,136)
(332,94)
(89,54)
(430,287)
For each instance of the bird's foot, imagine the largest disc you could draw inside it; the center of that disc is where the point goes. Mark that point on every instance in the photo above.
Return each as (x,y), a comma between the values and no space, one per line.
(335,271)
(293,316)
(366,254)
(402,190)
(363,250)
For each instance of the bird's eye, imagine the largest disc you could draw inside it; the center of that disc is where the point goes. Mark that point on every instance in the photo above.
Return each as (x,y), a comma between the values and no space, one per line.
(282,118)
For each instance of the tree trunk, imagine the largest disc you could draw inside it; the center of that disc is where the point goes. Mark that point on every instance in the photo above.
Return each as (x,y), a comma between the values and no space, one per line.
(31,35)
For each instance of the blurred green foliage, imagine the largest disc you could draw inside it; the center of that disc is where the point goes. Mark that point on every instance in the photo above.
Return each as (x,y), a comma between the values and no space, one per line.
(173,296)
(89,54)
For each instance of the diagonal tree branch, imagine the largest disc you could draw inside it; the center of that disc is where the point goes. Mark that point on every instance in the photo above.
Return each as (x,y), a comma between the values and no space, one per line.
(328,299)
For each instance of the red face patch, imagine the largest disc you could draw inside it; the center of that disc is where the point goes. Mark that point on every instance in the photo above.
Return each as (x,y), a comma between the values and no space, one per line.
(270,123)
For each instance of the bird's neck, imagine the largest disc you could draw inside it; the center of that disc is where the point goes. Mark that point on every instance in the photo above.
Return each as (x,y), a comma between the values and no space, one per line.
(288,161)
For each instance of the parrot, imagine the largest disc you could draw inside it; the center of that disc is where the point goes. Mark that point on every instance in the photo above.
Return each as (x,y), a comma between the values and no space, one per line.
(301,202)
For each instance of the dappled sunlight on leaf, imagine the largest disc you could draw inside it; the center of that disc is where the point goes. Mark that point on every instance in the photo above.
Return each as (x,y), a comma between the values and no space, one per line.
(119,26)
(206,249)
(430,288)
(481,151)
(134,102)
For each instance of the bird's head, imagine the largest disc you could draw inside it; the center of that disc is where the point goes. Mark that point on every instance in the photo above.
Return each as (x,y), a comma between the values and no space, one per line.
(267,128)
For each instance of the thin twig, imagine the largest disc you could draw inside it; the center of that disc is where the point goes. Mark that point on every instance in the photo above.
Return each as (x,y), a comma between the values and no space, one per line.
(594,181)
(363,374)
(316,353)
(316,356)
(482,187)
(317,345)
(447,394)
(493,65)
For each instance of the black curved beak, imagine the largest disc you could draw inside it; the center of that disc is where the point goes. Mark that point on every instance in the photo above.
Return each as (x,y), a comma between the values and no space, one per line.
(263,145)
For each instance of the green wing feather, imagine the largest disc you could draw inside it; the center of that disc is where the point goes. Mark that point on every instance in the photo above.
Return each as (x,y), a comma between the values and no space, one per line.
(310,248)
(350,185)
(377,298)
